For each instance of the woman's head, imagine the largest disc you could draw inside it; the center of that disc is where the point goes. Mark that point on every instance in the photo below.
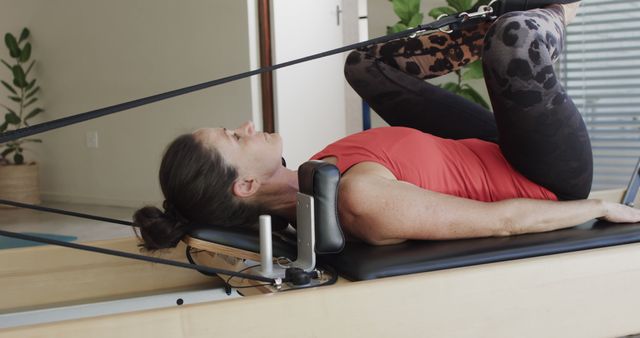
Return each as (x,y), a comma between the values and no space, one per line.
(211,176)
(256,155)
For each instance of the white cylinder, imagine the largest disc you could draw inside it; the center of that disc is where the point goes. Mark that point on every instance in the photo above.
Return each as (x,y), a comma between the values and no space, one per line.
(266,254)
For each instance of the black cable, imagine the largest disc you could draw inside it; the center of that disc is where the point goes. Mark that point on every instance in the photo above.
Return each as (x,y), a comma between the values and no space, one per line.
(202,269)
(134,256)
(228,281)
(65,212)
(73,119)
(192,261)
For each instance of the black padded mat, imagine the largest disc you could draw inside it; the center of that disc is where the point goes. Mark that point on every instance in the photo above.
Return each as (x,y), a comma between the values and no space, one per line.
(359,261)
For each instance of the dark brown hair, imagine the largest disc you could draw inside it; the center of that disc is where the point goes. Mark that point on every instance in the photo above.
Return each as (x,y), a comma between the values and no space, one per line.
(197,186)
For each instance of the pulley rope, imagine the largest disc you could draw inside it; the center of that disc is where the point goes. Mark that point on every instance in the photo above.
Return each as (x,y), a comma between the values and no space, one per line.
(129,255)
(65,212)
(73,119)
(69,120)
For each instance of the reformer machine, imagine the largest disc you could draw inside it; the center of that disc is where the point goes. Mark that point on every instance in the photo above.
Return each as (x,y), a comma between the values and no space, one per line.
(319,234)
(320,243)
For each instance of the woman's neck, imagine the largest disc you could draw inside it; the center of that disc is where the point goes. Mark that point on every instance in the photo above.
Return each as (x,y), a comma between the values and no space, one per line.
(279,193)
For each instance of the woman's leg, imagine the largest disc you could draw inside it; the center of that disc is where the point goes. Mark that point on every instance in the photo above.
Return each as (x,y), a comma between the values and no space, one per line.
(390,77)
(541,131)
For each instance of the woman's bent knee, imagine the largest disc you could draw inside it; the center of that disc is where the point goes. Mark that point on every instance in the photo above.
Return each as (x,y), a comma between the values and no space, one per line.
(358,70)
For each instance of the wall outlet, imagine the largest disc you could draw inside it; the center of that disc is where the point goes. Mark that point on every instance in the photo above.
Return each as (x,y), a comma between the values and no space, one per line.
(92,139)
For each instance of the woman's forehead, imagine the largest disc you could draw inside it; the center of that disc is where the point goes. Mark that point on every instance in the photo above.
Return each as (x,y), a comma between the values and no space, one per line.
(205,134)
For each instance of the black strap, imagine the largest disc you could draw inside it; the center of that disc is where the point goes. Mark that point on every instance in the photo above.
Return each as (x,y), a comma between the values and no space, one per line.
(73,119)
(65,212)
(66,121)
(196,267)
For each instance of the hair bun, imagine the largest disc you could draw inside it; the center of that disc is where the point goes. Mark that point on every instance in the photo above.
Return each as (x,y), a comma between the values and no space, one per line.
(157,231)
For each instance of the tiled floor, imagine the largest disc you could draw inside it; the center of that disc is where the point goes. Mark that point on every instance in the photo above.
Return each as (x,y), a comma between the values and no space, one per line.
(23,220)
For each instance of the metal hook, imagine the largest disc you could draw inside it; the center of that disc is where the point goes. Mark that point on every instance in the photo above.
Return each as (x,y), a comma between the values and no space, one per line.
(483,10)
(448,31)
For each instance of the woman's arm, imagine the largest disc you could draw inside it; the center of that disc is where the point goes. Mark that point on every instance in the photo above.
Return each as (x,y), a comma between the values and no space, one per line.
(383,211)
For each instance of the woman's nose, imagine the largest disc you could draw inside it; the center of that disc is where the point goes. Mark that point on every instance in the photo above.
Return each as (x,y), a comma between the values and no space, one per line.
(248,128)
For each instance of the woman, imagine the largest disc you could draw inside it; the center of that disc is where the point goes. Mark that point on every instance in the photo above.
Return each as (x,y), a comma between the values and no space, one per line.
(458,171)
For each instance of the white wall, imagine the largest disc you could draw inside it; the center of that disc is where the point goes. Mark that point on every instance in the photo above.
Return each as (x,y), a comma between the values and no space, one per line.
(94,53)
(381,15)
(309,97)
(352,30)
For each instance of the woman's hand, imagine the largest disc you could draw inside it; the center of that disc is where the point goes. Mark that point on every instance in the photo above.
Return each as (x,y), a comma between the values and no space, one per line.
(620,213)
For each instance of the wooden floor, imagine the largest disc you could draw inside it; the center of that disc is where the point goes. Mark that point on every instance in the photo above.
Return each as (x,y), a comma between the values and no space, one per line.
(24,220)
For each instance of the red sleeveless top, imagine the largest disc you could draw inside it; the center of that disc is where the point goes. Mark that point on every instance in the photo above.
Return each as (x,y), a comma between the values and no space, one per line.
(469,168)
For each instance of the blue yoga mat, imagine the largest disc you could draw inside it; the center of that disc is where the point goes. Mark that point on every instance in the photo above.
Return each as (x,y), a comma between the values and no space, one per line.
(10,243)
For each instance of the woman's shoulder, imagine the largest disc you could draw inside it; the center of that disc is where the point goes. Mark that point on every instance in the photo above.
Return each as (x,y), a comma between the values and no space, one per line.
(367,168)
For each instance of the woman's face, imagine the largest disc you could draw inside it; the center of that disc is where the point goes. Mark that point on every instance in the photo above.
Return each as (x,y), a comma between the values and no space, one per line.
(252,153)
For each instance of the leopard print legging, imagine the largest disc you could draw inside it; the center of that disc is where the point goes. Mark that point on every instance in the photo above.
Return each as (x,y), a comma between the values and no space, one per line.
(535,123)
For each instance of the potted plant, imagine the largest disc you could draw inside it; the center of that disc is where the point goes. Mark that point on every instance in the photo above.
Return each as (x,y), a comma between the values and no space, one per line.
(18,178)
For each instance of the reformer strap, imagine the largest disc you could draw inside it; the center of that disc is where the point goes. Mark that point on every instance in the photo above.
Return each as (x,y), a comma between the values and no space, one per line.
(8,136)
(70,120)
(123,254)
(495,8)
(65,212)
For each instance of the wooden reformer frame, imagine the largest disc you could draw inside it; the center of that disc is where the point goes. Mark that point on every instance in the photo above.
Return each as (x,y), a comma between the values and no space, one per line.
(587,293)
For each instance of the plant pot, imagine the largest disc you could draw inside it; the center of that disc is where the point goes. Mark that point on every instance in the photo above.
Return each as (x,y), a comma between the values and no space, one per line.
(19,183)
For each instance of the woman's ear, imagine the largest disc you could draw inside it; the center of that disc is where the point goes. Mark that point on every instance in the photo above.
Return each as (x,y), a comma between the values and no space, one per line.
(245,187)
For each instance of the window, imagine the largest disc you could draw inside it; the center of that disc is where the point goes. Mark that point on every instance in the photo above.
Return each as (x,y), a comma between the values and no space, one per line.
(601,72)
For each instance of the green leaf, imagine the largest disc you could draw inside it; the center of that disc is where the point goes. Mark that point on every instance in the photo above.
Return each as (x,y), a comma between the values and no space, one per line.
(451,86)
(30,85)
(405,9)
(436,12)
(460,5)
(399,27)
(474,71)
(9,87)
(19,78)
(24,34)
(30,66)
(415,5)
(3,127)
(34,113)
(15,98)
(33,92)
(18,158)
(8,151)
(12,44)
(416,20)
(25,54)
(471,94)
(30,102)
(12,118)
(7,64)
